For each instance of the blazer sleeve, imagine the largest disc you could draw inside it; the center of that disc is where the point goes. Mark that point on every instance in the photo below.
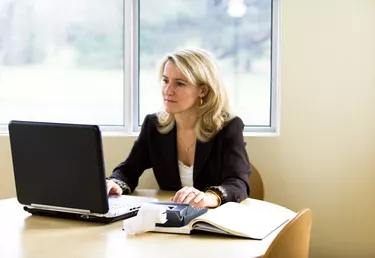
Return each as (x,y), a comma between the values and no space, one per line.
(236,166)
(138,160)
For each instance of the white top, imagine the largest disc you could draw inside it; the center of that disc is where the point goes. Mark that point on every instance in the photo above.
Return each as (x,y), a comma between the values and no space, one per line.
(186,174)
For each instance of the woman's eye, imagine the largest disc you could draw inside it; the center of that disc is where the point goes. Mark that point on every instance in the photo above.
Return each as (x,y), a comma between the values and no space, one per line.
(164,81)
(180,84)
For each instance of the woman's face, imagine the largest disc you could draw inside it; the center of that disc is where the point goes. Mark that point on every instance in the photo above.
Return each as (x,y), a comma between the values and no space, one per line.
(179,95)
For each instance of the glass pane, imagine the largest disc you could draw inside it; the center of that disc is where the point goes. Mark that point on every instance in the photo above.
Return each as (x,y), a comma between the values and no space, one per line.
(237,32)
(61,60)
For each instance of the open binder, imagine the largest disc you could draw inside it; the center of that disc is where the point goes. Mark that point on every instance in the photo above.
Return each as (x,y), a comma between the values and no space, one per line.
(253,222)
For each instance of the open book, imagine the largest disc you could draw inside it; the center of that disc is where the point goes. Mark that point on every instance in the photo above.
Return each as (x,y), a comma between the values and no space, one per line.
(255,220)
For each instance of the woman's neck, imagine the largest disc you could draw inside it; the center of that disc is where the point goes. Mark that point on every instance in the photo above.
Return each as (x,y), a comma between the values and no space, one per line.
(186,121)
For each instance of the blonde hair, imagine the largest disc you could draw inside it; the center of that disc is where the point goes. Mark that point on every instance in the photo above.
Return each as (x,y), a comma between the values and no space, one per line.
(200,69)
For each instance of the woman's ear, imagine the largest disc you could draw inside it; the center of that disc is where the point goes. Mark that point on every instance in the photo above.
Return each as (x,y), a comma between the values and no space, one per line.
(204,91)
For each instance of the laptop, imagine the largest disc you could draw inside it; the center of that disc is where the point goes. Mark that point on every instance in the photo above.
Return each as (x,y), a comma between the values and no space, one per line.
(59,171)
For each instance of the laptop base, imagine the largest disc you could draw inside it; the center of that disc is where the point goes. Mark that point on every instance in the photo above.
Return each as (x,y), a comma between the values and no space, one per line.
(75,216)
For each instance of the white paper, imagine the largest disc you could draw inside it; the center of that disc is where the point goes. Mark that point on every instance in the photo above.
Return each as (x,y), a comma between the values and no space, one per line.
(148,215)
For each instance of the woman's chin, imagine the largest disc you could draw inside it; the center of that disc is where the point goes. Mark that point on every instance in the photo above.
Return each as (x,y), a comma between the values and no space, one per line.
(170,111)
(174,110)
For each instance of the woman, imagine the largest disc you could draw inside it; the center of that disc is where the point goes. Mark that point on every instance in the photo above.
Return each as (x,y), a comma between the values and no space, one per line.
(195,146)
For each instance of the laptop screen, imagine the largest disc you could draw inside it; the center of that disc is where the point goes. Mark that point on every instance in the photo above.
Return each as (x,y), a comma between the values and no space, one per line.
(58,165)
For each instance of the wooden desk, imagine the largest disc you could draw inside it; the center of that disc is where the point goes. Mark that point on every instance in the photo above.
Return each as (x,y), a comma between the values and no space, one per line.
(26,236)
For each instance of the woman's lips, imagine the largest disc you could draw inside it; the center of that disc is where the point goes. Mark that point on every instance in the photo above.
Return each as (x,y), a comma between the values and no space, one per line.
(169,101)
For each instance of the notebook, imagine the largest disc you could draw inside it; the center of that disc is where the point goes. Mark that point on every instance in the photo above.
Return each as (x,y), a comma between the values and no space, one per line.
(59,171)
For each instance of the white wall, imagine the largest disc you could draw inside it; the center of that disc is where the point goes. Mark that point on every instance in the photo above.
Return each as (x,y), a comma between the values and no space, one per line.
(324,158)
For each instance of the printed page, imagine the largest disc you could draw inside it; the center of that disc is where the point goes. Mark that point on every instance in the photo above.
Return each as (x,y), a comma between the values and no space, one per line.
(253,221)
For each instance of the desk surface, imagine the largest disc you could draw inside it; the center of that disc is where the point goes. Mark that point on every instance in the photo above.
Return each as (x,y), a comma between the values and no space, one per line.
(26,236)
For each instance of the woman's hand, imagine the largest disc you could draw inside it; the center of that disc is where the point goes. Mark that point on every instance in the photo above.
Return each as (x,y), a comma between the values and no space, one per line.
(113,188)
(195,197)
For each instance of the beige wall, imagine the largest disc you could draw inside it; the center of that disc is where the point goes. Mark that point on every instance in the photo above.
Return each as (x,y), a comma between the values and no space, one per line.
(325,156)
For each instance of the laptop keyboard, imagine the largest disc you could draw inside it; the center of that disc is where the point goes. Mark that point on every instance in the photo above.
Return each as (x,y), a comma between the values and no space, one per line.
(116,203)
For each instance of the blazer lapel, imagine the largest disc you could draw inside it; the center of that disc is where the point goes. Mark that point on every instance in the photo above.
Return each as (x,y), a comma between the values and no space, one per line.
(202,151)
(168,148)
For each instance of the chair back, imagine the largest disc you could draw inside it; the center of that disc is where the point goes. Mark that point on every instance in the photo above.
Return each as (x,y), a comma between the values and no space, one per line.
(293,241)
(256,184)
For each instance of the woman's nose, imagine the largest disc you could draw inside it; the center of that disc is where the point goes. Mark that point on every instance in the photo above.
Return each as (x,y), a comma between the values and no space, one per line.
(169,89)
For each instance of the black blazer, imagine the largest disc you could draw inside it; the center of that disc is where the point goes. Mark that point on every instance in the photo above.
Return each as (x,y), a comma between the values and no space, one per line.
(223,161)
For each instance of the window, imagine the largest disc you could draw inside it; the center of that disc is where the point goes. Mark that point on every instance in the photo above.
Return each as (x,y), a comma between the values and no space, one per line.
(62,61)
(237,32)
(97,61)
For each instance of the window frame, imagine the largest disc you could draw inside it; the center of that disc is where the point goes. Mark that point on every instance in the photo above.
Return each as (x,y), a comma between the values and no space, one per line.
(249,130)
(131,76)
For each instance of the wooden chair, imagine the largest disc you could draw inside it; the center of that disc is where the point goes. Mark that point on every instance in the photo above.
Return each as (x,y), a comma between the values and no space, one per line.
(256,184)
(293,241)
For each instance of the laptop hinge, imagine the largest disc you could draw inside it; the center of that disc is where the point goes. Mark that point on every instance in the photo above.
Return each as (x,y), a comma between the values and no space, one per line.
(57,208)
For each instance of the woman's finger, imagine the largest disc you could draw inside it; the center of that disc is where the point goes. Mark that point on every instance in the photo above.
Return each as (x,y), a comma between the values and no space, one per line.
(116,190)
(199,197)
(189,197)
(181,194)
(175,197)
(113,188)
(185,194)
(108,186)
